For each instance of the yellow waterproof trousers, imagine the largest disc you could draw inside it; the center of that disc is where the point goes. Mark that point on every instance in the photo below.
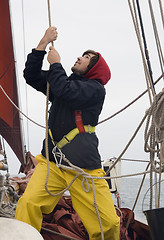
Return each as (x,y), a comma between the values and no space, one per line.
(36,200)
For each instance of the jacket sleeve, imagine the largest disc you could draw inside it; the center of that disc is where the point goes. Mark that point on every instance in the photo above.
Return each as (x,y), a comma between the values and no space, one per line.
(33,74)
(79,93)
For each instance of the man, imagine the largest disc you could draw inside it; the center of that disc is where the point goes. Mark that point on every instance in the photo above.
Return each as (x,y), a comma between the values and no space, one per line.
(76,104)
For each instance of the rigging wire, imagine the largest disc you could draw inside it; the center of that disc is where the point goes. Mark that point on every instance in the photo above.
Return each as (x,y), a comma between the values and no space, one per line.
(113,115)
(159,48)
(7,68)
(17,87)
(149,82)
(58,234)
(26,93)
(145,43)
(147,75)
(134,205)
(128,144)
(126,159)
(134,160)
(152,136)
(4,149)
(161,10)
(129,104)
(136,27)
(19,108)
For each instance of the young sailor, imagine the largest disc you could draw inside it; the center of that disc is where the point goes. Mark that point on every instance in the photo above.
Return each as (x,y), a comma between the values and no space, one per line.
(76,105)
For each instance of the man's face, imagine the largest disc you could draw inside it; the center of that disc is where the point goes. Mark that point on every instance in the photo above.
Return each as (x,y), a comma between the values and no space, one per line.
(80,66)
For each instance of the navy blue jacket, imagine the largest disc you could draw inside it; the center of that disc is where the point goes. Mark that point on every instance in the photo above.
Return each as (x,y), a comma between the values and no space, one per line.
(68,94)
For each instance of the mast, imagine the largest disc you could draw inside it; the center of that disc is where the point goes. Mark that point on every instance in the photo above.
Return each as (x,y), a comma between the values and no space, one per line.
(10,126)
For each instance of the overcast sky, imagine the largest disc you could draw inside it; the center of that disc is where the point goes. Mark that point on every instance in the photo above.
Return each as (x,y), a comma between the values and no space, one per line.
(105,26)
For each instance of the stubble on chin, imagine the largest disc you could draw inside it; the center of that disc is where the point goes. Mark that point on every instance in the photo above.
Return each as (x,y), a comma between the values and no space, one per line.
(75,70)
(78,71)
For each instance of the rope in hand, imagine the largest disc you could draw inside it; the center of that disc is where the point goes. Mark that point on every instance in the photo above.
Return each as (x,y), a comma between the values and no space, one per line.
(47,152)
(47,99)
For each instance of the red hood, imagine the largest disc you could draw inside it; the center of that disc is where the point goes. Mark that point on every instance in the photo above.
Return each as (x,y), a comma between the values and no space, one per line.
(99,71)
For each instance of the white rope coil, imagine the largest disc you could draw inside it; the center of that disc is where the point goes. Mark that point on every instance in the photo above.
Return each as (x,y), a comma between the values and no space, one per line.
(154,131)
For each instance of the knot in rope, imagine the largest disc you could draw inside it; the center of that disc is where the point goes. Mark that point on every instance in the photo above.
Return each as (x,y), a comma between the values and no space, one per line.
(59,156)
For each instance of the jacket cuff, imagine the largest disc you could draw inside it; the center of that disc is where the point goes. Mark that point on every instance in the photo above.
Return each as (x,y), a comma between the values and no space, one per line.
(55,65)
(38,52)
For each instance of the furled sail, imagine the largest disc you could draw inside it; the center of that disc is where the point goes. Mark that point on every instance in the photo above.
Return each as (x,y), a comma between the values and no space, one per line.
(10,127)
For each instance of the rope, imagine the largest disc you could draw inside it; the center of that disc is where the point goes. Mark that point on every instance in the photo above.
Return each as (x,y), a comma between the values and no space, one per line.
(105,177)
(58,154)
(145,44)
(9,65)
(146,194)
(153,136)
(26,92)
(159,192)
(19,109)
(128,144)
(81,173)
(152,130)
(134,160)
(47,152)
(47,99)
(139,191)
(158,44)
(57,233)
(113,115)
(161,10)
(135,22)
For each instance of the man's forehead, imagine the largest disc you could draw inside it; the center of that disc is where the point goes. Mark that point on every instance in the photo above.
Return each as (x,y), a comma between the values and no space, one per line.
(89,54)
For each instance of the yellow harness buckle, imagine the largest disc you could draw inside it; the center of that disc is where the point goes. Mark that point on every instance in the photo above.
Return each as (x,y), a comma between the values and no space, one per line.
(71,135)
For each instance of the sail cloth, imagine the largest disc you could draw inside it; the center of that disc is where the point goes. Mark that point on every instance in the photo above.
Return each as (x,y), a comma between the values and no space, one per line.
(10,127)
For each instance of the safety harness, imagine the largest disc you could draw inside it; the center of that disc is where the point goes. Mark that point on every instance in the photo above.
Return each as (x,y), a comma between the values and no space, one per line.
(80,128)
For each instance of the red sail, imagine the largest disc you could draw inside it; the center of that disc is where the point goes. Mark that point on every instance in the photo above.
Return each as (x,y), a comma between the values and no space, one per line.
(10,127)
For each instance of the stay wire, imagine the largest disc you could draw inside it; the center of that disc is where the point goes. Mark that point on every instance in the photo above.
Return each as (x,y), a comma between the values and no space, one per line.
(133,12)
(145,43)
(19,108)
(128,105)
(26,92)
(128,144)
(161,10)
(157,39)
(137,197)
(4,147)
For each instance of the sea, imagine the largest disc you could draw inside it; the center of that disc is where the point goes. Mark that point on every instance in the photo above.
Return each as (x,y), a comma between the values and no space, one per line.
(128,191)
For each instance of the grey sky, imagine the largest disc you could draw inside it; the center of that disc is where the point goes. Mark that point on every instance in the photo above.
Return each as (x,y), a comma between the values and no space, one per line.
(105,26)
